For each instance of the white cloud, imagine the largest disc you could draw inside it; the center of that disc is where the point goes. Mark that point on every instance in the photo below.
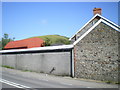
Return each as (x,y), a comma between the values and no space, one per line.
(44,21)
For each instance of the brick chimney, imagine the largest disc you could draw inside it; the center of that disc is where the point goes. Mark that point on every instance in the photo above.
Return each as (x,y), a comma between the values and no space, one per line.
(97,11)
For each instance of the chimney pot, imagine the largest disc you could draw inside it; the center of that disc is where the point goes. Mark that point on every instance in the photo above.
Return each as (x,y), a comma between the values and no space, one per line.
(97,11)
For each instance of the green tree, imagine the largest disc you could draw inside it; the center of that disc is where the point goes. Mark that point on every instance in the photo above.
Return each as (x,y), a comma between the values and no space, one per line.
(5,36)
(0,45)
(47,42)
(5,40)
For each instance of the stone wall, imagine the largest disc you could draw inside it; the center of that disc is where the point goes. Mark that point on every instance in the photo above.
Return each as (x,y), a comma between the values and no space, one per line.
(96,55)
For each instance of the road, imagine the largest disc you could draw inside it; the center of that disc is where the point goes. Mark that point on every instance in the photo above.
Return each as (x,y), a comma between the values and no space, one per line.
(19,79)
(7,86)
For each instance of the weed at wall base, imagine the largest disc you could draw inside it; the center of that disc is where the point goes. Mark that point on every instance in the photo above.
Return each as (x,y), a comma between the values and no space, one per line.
(7,66)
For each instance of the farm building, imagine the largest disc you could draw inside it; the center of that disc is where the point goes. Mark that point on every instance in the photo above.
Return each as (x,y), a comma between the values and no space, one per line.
(93,53)
(24,44)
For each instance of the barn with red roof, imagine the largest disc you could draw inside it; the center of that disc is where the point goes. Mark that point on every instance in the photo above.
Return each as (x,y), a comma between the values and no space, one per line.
(25,43)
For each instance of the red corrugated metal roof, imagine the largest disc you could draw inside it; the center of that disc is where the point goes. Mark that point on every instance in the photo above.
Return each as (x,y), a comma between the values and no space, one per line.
(25,43)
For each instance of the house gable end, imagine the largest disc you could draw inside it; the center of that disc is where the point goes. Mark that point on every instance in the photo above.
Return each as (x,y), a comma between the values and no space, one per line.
(90,23)
(96,24)
(96,55)
(87,26)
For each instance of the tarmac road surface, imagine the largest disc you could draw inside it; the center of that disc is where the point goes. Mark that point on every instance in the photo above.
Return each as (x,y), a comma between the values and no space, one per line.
(19,79)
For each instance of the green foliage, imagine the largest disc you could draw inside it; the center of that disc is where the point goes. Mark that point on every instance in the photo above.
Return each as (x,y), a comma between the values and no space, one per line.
(0,45)
(7,66)
(5,36)
(111,82)
(54,39)
(117,82)
(47,41)
(5,40)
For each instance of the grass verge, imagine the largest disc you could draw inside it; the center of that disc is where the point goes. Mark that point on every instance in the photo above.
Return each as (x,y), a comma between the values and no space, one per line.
(8,67)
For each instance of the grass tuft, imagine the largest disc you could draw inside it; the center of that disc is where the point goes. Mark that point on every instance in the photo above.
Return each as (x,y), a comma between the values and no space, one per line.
(8,67)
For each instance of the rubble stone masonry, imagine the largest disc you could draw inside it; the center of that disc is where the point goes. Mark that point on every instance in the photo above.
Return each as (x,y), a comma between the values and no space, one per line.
(96,55)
